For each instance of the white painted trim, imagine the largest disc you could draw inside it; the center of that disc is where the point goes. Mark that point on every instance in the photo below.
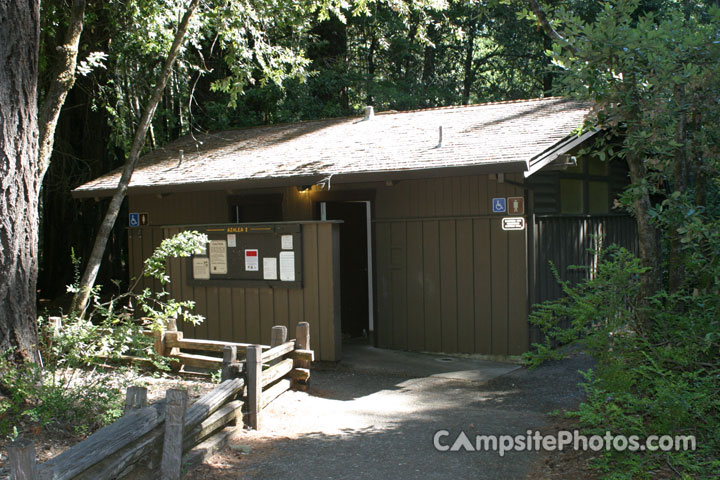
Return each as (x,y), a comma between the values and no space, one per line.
(371,312)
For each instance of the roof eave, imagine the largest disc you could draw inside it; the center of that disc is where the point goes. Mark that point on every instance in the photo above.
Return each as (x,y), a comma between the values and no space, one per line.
(350,177)
(564,146)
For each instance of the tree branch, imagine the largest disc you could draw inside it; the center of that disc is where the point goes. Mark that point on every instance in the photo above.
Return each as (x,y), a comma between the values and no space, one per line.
(91,270)
(549,30)
(63,81)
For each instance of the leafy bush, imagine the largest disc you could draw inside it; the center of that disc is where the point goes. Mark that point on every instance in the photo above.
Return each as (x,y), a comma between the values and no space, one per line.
(73,391)
(662,380)
(69,400)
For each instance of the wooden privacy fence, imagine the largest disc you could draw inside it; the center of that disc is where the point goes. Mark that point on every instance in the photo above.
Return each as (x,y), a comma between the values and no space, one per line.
(169,435)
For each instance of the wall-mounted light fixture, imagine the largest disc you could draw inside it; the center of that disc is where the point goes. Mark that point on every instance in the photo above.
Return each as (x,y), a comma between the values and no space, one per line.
(304,188)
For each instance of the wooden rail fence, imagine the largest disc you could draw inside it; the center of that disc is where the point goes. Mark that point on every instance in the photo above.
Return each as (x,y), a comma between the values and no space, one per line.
(169,435)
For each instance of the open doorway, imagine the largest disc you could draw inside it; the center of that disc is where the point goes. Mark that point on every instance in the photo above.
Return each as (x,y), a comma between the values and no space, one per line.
(355,267)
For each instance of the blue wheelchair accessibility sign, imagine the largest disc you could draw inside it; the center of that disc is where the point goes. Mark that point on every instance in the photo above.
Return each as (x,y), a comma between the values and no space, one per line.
(134,220)
(499,205)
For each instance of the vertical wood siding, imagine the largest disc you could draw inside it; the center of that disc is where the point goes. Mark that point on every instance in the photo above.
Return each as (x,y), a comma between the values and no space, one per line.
(456,285)
(449,279)
(566,241)
(248,314)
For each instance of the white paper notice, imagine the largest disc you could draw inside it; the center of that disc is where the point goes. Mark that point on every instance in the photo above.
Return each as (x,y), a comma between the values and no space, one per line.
(218,257)
(252,260)
(232,240)
(286,241)
(270,268)
(201,268)
(287,266)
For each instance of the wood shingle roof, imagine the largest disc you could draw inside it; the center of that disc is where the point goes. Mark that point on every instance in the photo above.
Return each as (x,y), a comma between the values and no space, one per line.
(486,138)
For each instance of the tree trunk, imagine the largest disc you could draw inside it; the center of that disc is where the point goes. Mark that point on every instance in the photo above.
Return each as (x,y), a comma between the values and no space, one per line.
(19,44)
(370,69)
(90,274)
(676,260)
(468,64)
(647,234)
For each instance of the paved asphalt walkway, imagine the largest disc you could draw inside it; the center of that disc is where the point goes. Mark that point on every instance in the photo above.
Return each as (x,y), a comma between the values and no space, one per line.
(374,415)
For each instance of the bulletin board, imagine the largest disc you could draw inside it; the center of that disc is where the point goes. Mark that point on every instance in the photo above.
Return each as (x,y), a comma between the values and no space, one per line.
(249,255)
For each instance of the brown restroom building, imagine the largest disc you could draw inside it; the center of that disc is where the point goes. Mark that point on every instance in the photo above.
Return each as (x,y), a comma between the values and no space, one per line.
(429,230)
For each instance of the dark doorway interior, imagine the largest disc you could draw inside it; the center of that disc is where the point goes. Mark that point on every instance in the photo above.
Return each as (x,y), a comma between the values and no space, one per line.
(353,267)
(255,208)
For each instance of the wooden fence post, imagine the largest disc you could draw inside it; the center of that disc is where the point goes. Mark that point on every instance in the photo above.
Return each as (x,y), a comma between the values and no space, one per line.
(254,380)
(302,337)
(159,344)
(302,342)
(135,398)
(229,359)
(171,463)
(278,336)
(21,456)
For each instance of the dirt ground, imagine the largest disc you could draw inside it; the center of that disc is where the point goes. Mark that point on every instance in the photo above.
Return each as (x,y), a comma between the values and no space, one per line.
(356,425)
(368,424)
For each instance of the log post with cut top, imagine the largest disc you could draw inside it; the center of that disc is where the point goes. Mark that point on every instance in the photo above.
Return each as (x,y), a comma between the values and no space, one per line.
(254,385)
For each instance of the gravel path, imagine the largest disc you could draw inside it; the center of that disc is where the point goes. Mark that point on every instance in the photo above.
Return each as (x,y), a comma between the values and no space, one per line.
(372,425)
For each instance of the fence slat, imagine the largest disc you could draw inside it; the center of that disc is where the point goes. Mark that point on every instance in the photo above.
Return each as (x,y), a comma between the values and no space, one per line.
(277,371)
(302,356)
(101,444)
(275,391)
(177,341)
(278,351)
(199,361)
(228,414)
(112,466)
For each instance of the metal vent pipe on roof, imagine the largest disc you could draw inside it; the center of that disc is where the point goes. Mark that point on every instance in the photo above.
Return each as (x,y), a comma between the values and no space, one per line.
(369,112)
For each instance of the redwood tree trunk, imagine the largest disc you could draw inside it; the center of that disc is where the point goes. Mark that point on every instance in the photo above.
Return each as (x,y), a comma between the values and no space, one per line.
(19,44)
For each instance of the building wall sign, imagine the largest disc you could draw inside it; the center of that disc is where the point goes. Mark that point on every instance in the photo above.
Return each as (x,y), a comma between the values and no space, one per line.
(249,255)
(513,223)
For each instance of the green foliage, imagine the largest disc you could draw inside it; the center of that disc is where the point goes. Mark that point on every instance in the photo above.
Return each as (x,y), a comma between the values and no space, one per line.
(592,308)
(662,381)
(110,325)
(58,398)
(652,70)
(73,392)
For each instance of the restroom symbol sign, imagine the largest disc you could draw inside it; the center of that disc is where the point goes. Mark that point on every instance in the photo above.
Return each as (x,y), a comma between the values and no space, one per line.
(499,205)
(138,219)
(516,205)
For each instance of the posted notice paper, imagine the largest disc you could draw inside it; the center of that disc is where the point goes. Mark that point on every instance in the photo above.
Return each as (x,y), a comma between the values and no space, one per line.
(270,268)
(218,257)
(287,266)
(201,268)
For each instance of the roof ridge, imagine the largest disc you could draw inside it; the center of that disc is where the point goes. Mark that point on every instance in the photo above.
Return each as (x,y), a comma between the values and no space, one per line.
(459,107)
(385,112)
